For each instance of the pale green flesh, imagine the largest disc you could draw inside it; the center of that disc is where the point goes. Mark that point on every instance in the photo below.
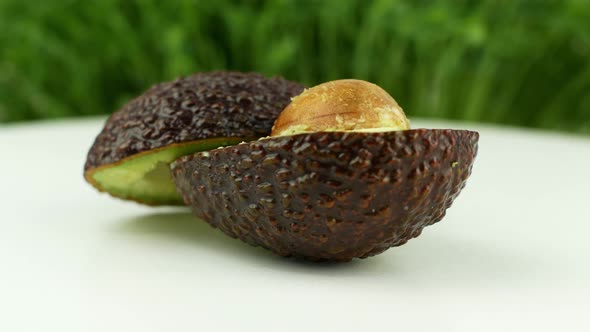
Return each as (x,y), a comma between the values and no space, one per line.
(147,178)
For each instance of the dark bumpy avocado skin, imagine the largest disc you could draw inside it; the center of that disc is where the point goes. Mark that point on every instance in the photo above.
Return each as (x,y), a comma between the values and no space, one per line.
(204,105)
(329,196)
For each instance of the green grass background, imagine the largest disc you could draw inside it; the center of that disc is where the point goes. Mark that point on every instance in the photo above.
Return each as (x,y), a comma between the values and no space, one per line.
(518,62)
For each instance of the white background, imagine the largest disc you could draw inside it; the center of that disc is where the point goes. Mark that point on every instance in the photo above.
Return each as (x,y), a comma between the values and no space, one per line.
(512,254)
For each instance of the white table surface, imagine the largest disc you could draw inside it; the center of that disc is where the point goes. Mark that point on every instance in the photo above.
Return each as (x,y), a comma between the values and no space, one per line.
(512,254)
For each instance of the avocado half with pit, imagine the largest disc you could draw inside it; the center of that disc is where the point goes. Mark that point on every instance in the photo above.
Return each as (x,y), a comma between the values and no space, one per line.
(130,157)
(341,177)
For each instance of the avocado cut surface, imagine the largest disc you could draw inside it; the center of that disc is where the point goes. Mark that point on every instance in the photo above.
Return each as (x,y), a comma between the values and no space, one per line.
(329,195)
(146,177)
(215,108)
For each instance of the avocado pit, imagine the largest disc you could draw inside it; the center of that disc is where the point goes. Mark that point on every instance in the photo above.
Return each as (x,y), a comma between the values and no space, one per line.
(344,105)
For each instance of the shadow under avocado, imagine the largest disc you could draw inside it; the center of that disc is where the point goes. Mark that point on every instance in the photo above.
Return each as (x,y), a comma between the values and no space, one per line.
(183,227)
(436,255)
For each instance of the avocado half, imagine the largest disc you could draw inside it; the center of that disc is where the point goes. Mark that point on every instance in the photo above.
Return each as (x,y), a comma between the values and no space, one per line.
(130,157)
(329,195)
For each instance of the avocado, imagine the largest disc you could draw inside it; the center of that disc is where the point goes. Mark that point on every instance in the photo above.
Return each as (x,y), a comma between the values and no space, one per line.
(328,185)
(130,157)
(329,195)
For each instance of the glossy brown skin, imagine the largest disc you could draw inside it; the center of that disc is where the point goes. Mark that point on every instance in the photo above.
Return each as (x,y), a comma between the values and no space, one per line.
(201,106)
(329,196)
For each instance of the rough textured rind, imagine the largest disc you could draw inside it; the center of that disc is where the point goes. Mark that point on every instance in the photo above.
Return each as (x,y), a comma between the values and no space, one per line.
(329,196)
(204,105)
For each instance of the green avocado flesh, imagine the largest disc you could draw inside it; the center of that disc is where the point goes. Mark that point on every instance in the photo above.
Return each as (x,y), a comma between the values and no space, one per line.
(147,178)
